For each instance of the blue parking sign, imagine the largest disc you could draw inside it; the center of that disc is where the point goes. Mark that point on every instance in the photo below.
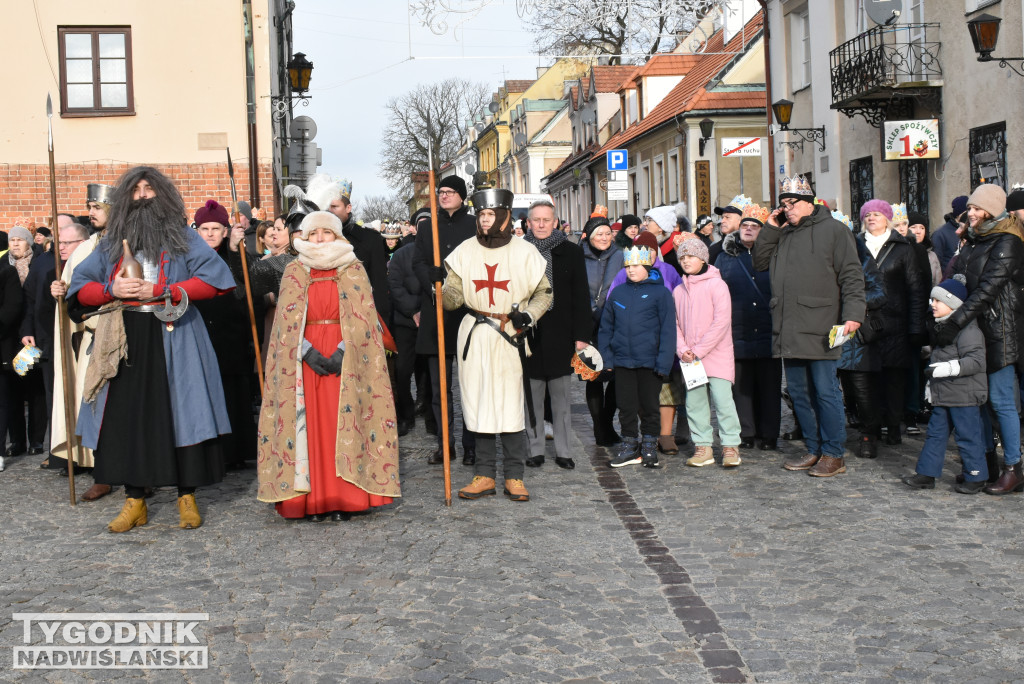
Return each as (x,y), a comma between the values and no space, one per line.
(618,160)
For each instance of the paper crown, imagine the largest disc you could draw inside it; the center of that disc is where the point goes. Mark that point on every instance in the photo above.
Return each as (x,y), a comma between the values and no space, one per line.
(740,202)
(899,212)
(599,210)
(587,363)
(391,230)
(638,255)
(24,222)
(345,188)
(842,218)
(103,194)
(1017,186)
(797,185)
(755,212)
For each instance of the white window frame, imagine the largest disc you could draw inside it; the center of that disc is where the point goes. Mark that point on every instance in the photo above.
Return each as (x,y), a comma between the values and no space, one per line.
(673,176)
(645,184)
(800,33)
(658,179)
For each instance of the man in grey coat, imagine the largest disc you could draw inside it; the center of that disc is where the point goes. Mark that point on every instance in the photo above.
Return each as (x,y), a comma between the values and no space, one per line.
(817,283)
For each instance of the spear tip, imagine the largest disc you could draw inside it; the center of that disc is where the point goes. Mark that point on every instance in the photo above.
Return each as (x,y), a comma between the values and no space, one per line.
(49,106)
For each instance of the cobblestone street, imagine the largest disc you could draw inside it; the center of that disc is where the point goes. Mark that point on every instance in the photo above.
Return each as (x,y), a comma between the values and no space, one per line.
(675,575)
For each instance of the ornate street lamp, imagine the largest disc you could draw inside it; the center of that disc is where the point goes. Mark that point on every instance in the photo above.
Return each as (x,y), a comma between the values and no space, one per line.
(984,30)
(783,110)
(707,127)
(299,71)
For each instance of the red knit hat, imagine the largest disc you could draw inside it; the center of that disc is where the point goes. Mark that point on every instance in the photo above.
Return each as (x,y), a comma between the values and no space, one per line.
(212,212)
(645,239)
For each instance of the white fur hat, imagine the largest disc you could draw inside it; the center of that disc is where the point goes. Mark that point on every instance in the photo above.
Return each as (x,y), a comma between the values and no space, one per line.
(320,219)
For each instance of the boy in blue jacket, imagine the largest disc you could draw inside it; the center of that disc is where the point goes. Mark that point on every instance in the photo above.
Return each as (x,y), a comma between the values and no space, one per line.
(638,340)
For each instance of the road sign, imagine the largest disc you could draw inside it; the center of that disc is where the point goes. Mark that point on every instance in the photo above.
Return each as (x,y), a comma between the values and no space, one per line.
(618,160)
(616,175)
(618,195)
(741,147)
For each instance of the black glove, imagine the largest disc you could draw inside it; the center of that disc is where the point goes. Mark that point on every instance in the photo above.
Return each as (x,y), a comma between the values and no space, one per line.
(437,274)
(918,340)
(945,333)
(520,319)
(334,362)
(318,363)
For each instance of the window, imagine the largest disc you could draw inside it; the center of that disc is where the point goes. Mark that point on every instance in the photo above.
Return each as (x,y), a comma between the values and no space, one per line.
(95,71)
(673,177)
(862,186)
(659,181)
(645,185)
(914,185)
(989,139)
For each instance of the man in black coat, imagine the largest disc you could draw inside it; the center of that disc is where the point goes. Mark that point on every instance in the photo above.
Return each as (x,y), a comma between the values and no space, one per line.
(405,300)
(368,245)
(454,225)
(566,328)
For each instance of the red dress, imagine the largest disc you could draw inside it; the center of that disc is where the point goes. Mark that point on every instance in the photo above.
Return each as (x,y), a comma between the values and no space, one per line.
(329,492)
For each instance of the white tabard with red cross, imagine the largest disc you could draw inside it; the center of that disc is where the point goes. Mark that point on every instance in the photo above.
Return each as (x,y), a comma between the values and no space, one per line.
(491,375)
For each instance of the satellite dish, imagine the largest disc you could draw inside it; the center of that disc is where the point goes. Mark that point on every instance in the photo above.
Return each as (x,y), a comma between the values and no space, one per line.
(303,128)
(882,11)
(470,169)
(519,139)
(494,107)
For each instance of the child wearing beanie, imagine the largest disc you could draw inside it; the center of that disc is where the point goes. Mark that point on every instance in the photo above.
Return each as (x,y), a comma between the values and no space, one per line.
(958,387)
(637,339)
(704,333)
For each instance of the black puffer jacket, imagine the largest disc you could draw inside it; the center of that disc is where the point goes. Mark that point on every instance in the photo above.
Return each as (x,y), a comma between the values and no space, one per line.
(994,265)
(905,311)
(857,354)
(404,287)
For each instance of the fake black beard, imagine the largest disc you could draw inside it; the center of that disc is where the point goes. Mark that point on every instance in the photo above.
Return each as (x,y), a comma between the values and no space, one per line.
(149,230)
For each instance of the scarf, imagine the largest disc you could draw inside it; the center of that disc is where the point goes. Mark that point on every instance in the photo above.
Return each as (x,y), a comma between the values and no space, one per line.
(325,256)
(874,244)
(21,264)
(544,247)
(987,226)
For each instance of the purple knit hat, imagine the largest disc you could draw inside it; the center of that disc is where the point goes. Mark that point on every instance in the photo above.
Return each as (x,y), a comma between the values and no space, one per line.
(878,205)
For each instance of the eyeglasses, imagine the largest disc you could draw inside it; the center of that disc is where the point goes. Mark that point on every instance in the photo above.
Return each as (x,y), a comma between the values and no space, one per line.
(70,242)
(446,193)
(788,204)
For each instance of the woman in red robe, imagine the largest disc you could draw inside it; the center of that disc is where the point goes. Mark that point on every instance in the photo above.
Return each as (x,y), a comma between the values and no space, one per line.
(328,443)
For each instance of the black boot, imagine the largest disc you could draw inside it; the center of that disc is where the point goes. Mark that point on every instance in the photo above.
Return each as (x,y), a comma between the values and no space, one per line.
(629,452)
(649,452)
(868,446)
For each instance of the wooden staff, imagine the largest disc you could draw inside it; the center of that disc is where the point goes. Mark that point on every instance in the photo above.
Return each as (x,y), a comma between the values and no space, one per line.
(245,273)
(439,301)
(74,445)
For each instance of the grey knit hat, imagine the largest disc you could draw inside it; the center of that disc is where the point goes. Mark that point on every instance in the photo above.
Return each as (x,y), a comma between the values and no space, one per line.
(951,292)
(19,232)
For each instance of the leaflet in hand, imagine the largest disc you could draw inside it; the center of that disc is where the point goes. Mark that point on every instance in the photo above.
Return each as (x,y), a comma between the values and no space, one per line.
(836,338)
(693,373)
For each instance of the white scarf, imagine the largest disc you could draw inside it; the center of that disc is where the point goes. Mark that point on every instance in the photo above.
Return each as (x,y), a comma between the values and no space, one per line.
(874,244)
(324,256)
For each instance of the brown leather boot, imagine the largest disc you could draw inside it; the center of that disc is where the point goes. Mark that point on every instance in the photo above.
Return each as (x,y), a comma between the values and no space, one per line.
(133,514)
(97,491)
(516,490)
(801,462)
(827,466)
(188,512)
(480,486)
(1011,479)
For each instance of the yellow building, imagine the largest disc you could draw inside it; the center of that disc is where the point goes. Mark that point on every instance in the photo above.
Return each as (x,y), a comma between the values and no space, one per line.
(134,83)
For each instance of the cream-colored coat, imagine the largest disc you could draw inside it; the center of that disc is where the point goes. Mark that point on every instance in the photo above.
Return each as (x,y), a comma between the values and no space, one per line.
(491,374)
(58,434)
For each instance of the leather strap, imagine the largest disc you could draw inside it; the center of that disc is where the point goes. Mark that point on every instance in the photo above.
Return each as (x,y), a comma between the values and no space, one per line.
(502,318)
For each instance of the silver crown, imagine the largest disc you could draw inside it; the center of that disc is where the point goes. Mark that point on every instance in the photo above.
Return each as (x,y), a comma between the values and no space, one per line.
(494,198)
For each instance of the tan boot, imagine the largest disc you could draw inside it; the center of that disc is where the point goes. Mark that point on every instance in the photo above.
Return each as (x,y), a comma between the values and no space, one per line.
(133,514)
(188,512)
(730,457)
(702,456)
(480,486)
(516,490)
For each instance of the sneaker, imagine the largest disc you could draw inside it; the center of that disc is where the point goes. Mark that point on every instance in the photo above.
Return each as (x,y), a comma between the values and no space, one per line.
(625,459)
(702,456)
(912,429)
(730,457)
(649,452)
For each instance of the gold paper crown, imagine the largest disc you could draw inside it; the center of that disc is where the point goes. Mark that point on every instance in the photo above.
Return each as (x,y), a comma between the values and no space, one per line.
(755,212)
(842,218)
(797,185)
(345,187)
(740,202)
(638,256)
(899,212)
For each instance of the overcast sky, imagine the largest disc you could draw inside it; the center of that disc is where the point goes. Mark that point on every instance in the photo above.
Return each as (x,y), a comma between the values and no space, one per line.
(360,53)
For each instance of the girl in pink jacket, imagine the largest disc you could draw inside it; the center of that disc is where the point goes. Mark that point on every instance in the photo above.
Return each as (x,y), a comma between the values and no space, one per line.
(704,332)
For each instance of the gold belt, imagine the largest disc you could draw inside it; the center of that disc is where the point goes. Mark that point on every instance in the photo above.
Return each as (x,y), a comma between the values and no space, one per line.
(333,321)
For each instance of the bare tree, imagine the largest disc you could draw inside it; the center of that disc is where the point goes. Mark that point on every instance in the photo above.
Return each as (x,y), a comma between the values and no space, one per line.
(639,28)
(384,207)
(431,116)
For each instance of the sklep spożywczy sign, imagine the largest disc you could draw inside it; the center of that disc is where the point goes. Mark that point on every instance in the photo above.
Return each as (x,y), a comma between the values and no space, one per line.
(906,140)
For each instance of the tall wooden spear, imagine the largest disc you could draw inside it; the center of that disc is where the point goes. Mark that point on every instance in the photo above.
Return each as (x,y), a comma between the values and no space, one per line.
(441,359)
(74,445)
(245,273)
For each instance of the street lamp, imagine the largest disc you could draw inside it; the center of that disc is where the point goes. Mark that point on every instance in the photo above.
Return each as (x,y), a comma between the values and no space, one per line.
(984,31)
(299,71)
(783,110)
(707,126)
